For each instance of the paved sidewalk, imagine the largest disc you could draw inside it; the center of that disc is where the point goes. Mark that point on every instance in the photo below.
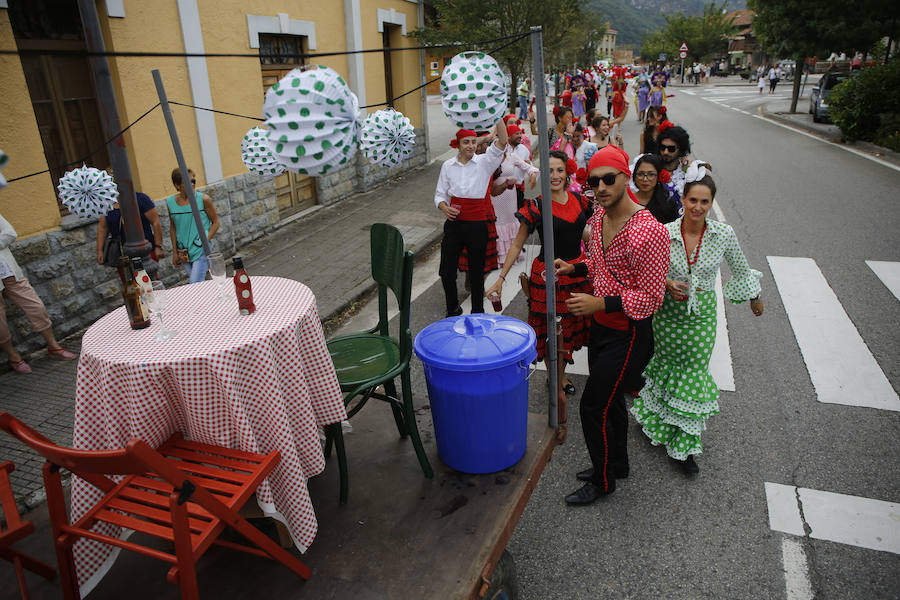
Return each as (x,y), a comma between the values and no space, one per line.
(327,250)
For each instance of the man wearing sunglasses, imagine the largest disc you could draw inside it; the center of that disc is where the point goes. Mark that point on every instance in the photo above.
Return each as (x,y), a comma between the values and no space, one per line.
(629,260)
(673,147)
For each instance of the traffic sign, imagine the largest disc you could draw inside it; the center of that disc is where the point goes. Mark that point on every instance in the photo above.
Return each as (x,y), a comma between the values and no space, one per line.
(684,47)
(682,54)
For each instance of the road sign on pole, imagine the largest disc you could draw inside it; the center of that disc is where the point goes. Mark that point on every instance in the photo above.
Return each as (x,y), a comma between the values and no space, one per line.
(684,47)
(682,54)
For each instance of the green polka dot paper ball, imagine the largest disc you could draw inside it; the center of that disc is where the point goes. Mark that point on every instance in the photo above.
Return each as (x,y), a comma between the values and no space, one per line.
(311,121)
(387,137)
(88,192)
(256,154)
(473,91)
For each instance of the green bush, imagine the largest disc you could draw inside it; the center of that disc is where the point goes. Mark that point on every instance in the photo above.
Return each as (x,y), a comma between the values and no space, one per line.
(867,107)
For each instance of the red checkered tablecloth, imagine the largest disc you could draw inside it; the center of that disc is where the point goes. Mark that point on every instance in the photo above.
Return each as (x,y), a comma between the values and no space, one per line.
(257,383)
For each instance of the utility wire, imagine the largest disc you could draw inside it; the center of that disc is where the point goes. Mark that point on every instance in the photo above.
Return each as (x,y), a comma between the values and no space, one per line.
(513,39)
(92,152)
(49,52)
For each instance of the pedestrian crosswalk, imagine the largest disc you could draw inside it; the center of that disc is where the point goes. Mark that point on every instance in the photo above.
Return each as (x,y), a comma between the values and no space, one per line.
(840,364)
(742,99)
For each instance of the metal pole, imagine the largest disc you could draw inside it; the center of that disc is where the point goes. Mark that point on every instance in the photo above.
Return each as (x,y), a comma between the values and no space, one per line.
(135,244)
(179,156)
(537,52)
(682,70)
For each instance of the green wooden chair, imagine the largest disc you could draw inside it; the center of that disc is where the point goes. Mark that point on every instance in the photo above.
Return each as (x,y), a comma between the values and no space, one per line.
(369,359)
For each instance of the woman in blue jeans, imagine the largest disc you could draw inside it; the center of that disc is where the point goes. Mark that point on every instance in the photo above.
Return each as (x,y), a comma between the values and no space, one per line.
(183,229)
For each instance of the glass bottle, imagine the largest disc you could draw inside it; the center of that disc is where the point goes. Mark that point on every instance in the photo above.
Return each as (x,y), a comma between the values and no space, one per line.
(142,280)
(242,288)
(138,318)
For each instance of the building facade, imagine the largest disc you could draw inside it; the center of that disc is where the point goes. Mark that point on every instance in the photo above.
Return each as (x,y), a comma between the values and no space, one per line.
(608,44)
(51,117)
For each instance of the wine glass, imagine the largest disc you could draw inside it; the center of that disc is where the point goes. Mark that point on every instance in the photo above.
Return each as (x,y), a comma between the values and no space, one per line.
(217,271)
(156,302)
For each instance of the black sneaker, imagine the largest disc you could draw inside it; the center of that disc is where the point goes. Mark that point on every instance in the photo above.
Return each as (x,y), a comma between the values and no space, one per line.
(687,466)
(456,312)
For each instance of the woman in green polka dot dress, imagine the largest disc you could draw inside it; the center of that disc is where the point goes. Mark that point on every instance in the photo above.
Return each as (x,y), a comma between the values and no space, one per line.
(680,394)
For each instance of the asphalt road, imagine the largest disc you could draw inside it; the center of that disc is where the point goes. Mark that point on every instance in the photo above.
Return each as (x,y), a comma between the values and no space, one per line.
(662,535)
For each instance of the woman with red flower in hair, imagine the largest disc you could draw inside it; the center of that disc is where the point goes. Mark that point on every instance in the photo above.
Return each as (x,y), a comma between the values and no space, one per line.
(650,183)
(657,118)
(570,214)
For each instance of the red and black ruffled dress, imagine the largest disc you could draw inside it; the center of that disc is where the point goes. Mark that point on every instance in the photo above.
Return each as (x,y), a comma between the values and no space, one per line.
(491,262)
(569,220)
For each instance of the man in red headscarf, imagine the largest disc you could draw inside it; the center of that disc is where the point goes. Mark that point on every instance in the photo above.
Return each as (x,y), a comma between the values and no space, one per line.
(629,261)
(460,194)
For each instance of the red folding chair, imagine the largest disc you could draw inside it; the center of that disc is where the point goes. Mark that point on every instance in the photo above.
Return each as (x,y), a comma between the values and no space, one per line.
(13,529)
(183,492)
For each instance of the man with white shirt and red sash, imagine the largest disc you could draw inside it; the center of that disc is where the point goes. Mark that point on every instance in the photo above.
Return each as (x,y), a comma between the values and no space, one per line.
(460,194)
(629,261)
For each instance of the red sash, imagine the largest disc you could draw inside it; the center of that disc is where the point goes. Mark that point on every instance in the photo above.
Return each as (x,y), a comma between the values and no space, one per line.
(615,320)
(470,209)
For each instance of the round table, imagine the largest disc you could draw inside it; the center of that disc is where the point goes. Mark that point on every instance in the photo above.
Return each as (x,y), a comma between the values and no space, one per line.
(258,383)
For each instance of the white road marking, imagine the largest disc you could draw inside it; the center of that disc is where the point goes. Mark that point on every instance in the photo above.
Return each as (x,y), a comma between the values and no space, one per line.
(851,520)
(888,273)
(720,362)
(796,571)
(840,365)
(832,144)
(688,92)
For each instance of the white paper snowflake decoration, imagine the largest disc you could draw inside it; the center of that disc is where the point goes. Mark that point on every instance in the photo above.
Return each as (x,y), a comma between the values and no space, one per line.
(387,137)
(311,120)
(473,91)
(88,192)
(257,155)
(3,160)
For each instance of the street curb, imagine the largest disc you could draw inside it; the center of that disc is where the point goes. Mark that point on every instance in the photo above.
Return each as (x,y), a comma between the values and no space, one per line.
(881,152)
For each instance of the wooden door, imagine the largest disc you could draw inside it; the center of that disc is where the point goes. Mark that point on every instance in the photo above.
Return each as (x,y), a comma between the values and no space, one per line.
(295,192)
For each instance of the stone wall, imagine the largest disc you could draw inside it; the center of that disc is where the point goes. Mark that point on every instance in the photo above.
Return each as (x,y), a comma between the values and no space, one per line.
(62,265)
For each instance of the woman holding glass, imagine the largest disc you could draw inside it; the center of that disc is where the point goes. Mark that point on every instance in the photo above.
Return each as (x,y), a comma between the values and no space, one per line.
(570,215)
(679,394)
(186,242)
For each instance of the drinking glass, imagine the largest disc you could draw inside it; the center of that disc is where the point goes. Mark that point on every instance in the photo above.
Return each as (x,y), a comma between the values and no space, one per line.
(156,302)
(217,271)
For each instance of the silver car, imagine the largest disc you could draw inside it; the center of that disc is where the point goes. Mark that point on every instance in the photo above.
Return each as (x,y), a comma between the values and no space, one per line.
(818,97)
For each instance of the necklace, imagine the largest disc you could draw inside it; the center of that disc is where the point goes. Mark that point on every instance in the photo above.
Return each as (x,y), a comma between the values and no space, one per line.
(693,261)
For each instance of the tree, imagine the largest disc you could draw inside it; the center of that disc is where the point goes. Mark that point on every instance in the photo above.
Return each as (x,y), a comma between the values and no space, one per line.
(706,35)
(565,27)
(799,28)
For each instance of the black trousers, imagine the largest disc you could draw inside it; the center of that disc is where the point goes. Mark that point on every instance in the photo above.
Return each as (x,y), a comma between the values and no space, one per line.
(473,236)
(616,360)
(520,199)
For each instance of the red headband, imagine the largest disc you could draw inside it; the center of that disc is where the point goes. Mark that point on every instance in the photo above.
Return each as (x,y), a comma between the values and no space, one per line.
(511,129)
(610,156)
(462,133)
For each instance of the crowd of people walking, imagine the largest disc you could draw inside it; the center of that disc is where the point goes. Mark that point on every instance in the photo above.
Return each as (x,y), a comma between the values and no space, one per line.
(636,257)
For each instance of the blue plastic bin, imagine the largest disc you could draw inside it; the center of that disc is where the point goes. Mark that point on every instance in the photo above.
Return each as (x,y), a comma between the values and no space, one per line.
(476,368)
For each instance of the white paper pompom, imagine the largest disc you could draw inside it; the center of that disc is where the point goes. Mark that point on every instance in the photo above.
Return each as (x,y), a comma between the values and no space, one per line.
(256,154)
(387,137)
(3,160)
(473,91)
(311,121)
(88,192)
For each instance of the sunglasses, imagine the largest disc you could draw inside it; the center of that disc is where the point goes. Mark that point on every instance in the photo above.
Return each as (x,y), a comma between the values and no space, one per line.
(668,148)
(608,179)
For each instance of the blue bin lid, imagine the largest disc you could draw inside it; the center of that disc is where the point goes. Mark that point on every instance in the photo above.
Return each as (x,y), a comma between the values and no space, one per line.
(476,342)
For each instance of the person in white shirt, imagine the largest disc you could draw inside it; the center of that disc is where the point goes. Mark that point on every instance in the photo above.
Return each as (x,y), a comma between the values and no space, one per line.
(461,194)
(518,149)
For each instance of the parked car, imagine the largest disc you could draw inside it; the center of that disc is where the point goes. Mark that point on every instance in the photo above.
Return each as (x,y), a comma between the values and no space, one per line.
(818,97)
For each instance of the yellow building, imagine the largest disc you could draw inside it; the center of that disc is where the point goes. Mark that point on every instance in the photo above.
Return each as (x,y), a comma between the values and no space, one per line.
(49,107)
(608,43)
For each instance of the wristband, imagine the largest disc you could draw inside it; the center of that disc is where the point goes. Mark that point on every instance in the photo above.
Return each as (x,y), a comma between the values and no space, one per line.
(502,277)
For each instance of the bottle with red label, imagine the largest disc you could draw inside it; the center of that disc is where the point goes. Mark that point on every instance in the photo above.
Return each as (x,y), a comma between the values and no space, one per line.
(138,317)
(142,280)
(242,287)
